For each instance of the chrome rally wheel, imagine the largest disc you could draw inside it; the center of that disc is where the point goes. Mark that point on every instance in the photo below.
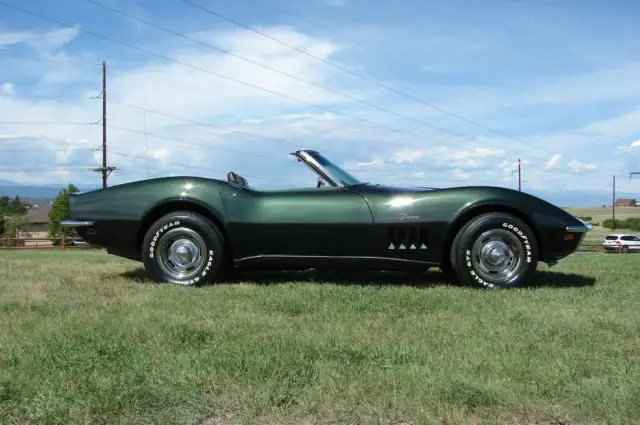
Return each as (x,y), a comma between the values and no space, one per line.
(495,250)
(181,254)
(183,248)
(497,255)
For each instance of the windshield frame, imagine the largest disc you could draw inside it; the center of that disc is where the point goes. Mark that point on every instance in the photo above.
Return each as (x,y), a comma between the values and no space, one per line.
(332,173)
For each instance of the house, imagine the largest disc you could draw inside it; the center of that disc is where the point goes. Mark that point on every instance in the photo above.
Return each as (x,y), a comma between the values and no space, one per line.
(36,230)
(626,203)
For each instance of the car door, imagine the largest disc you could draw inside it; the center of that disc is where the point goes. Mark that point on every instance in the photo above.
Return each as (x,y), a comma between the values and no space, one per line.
(324,221)
(631,242)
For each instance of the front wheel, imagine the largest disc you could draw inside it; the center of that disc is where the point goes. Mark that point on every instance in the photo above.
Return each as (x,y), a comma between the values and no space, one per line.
(495,250)
(183,248)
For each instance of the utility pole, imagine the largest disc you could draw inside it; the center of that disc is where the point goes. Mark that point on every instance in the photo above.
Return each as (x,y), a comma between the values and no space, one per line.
(106,170)
(519,177)
(104,125)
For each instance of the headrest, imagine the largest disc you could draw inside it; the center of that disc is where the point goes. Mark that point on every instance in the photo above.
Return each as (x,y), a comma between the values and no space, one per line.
(235,178)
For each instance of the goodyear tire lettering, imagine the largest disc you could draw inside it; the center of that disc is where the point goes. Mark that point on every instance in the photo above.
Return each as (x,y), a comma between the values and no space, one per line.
(152,248)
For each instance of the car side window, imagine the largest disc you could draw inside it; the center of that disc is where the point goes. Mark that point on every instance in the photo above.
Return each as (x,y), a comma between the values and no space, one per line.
(630,238)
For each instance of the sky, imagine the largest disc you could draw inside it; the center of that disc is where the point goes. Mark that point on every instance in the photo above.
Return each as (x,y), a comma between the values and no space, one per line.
(407,93)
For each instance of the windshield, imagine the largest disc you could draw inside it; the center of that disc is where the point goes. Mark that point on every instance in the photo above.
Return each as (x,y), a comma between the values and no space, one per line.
(338,173)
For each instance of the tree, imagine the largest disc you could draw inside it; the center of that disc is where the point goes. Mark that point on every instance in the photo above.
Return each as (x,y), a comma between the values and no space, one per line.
(16,207)
(60,211)
(11,209)
(14,224)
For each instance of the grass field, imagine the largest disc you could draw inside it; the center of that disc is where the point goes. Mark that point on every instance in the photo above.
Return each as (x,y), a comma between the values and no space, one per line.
(85,339)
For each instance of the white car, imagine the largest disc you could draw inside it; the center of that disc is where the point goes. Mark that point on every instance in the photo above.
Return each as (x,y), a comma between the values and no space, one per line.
(621,242)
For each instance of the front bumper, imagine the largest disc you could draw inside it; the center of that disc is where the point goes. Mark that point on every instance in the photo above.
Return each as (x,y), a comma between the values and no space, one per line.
(579,228)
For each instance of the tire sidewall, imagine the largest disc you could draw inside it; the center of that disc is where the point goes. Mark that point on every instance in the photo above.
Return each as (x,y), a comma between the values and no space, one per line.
(212,238)
(462,249)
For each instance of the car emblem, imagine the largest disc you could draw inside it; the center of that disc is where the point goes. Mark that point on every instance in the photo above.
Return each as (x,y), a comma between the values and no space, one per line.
(408,217)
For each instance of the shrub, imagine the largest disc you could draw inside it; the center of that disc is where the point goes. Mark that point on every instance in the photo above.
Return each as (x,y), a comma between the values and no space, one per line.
(632,223)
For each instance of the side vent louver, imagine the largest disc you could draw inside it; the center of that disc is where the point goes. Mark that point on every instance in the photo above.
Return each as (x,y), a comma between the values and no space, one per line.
(407,238)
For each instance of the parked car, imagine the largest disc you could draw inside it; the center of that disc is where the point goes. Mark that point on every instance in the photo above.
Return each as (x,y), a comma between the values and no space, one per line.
(189,230)
(621,242)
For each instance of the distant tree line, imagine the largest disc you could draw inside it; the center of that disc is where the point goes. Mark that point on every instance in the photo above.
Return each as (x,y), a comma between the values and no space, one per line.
(631,223)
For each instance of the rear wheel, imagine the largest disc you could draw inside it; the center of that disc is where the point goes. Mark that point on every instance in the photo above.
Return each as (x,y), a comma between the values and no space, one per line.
(495,250)
(183,248)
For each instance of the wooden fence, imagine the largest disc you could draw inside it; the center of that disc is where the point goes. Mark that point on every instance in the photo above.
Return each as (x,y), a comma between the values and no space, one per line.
(62,242)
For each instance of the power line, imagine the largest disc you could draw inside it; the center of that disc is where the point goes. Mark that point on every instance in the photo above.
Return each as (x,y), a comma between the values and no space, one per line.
(336,92)
(182,141)
(215,126)
(47,123)
(176,164)
(239,81)
(224,76)
(363,77)
(254,135)
(272,158)
(347,70)
(207,71)
(51,150)
(19,170)
(39,96)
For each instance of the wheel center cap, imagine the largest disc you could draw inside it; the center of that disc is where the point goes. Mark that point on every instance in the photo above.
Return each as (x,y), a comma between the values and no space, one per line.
(494,253)
(183,253)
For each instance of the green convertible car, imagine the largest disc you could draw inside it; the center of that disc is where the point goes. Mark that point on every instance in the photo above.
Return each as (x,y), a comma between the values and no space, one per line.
(191,230)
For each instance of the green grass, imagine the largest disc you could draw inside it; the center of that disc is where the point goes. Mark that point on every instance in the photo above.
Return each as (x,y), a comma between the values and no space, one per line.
(84,339)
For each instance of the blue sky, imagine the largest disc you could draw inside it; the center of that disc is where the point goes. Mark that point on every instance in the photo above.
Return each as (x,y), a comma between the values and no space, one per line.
(552,83)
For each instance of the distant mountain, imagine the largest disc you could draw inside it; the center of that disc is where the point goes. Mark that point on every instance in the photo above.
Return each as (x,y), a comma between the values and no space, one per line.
(47,191)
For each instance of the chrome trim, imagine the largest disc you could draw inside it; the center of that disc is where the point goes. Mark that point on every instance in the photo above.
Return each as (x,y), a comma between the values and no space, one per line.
(76,223)
(315,166)
(584,227)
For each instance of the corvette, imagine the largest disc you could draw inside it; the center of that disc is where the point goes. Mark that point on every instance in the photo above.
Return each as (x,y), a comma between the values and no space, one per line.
(194,230)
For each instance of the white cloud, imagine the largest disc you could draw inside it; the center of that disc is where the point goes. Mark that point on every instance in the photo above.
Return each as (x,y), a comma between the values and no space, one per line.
(10,38)
(406,156)
(554,161)
(6,89)
(576,165)
(43,41)
(52,40)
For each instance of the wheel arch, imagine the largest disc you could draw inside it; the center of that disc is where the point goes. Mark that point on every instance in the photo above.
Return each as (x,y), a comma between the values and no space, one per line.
(174,205)
(474,211)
